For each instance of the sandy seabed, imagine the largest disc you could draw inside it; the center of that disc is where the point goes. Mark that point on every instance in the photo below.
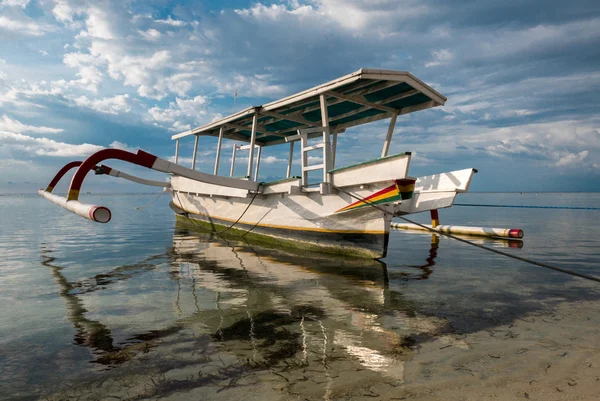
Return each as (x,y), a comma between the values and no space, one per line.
(540,356)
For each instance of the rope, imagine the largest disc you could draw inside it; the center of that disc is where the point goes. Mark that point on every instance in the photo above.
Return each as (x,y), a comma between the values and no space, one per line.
(152,201)
(531,207)
(533,262)
(238,219)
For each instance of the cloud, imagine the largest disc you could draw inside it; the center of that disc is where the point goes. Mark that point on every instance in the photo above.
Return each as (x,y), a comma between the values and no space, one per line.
(272,160)
(45,146)
(520,89)
(14,3)
(572,158)
(23,26)
(188,110)
(110,105)
(440,57)
(123,146)
(8,124)
(150,34)
(171,22)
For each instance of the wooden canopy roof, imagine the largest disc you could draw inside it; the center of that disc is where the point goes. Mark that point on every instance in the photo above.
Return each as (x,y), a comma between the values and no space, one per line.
(361,97)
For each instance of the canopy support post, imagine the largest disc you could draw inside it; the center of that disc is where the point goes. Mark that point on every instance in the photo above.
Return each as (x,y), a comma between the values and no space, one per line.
(252,144)
(326,143)
(235,147)
(289,166)
(334,148)
(219,150)
(257,163)
(388,138)
(177,151)
(195,152)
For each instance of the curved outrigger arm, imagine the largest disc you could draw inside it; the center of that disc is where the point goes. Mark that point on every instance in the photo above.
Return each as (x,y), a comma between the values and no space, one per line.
(102,214)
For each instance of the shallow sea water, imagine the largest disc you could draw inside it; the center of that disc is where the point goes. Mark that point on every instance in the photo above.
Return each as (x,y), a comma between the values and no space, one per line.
(142,308)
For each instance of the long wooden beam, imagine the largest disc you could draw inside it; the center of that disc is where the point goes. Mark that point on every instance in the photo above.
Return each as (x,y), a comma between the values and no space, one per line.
(361,101)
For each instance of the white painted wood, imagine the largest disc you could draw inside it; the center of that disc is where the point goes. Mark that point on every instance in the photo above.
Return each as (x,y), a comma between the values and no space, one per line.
(327,143)
(244,128)
(422,202)
(401,96)
(290,117)
(252,143)
(362,101)
(391,168)
(167,167)
(218,157)
(458,180)
(304,158)
(290,160)
(334,148)
(314,147)
(464,230)
(204,188)
(313,130)
(412,81)
(235,147)
(313,167)
(177,151)
(365,120)
(284,187)
(195,152)
(143,181)
(388,138)
(99,214)
(391,78)
(257,163)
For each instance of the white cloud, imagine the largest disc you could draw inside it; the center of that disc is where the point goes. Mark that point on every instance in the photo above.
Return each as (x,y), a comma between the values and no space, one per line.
(171,22)
(272,160)
(110,105)
(14,3)
(98,23)
(150,34)
(572,158)
(23,26)
(123,146)
(43,53)
(8,124)
(64,12)
(45,146)
(440,57)
(188,110)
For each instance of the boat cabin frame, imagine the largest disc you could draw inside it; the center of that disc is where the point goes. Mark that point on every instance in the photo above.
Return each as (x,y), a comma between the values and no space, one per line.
(324,112)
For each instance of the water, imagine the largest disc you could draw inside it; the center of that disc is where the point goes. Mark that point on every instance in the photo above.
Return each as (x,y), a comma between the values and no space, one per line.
(142,308)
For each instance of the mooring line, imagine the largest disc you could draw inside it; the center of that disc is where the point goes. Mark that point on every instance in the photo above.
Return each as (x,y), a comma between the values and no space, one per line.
(533,262)
(530,207)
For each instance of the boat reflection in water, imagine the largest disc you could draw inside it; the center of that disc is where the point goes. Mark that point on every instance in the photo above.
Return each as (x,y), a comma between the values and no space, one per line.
(271,305)
(316,324)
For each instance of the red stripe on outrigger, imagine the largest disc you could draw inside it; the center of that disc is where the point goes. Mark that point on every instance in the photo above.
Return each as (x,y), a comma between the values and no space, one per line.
(61,174)
(141,158)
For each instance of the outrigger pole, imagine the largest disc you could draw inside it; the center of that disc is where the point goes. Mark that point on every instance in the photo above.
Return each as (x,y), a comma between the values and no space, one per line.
(101,214)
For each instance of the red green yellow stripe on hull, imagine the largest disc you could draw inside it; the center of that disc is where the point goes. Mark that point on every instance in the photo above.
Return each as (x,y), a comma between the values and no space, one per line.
(400,190)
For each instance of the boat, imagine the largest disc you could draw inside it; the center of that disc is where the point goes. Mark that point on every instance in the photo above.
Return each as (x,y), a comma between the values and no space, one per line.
(337,209)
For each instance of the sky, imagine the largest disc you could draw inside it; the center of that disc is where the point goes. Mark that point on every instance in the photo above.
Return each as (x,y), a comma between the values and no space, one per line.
(522,80)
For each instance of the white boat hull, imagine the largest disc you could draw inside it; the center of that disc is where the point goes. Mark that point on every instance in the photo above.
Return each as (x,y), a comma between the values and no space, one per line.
(301,220)
(336,223)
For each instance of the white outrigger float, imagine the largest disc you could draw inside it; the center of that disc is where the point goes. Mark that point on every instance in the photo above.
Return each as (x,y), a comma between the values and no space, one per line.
(347,210)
